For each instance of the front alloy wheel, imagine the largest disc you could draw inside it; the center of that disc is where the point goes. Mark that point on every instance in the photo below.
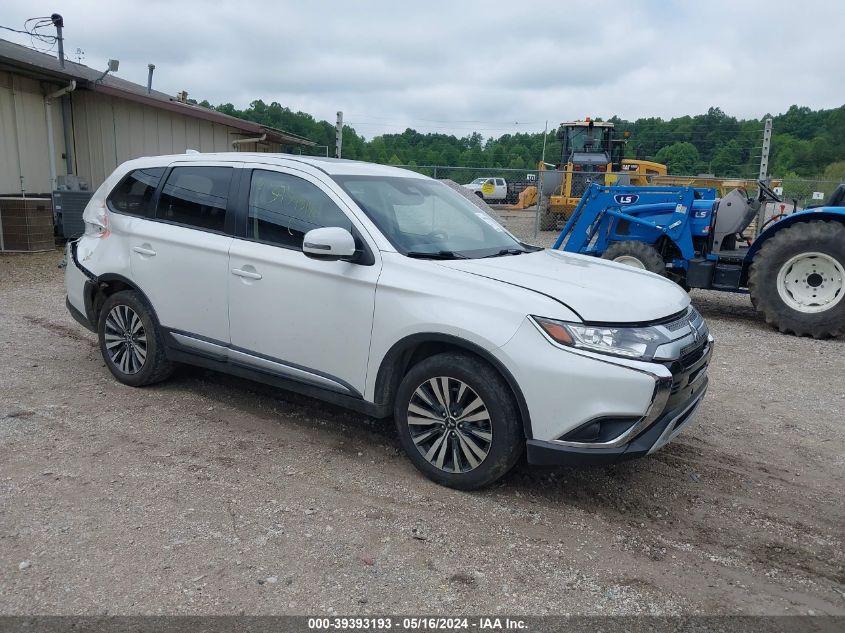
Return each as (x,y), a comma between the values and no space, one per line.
(449,424)
(458,421)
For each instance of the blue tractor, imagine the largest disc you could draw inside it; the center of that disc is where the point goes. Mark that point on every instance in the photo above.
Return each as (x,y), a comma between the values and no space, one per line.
(794,269)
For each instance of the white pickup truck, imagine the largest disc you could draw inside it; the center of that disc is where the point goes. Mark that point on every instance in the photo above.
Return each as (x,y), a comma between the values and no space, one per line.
(494,189)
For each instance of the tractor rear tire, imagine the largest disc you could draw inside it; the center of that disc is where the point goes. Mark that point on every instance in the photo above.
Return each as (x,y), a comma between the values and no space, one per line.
(637,255)
(797,280)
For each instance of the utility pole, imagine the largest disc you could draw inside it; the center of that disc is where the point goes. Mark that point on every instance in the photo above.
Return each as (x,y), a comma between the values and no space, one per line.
(764,155)
(542,167)
(545,134)
(338,138)
(764,170)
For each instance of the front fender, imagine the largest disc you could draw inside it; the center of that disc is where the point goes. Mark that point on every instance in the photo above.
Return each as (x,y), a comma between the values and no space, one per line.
(835,214)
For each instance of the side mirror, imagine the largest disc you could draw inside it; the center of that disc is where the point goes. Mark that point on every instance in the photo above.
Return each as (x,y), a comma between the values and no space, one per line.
(330,243)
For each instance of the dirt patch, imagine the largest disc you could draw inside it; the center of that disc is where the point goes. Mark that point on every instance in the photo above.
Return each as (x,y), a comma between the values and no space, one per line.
(59,328)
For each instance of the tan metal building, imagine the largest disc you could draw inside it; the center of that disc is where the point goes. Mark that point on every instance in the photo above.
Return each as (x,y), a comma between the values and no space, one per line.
(59,119)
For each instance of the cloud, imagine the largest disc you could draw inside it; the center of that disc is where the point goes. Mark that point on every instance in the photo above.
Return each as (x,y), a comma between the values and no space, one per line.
(463,65)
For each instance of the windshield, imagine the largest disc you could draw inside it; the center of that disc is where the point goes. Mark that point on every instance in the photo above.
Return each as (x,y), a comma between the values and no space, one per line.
(479,181)
(588,139)
(424,217)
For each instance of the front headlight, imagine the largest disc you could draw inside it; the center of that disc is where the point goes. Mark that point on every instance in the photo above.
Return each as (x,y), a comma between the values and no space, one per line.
(630,342)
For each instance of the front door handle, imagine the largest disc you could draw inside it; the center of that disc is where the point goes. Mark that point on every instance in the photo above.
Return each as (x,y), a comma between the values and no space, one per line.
(248,274)
(144,250)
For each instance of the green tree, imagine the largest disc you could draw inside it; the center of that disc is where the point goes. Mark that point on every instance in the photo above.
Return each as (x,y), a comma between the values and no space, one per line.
(835,171)
(728,160)
(805,141)
(680,158)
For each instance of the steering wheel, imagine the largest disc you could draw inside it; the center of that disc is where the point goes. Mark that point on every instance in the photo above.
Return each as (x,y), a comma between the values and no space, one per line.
(766,192)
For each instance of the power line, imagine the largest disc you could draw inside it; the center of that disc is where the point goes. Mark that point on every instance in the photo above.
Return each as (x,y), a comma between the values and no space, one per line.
(509,122)
(434,127)
(699,136)
(31,27)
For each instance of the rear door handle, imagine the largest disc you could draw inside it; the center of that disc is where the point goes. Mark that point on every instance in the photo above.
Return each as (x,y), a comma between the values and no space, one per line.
(142,250)
(248,274)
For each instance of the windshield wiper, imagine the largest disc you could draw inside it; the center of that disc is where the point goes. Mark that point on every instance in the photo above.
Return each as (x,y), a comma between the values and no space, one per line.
(435,255)
(507,251)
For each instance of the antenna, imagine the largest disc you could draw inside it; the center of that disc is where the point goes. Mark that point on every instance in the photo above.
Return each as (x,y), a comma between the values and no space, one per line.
(114,64)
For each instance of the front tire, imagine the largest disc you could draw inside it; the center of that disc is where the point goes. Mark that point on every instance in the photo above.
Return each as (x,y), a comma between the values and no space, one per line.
(458,422)
(797,280)
(637,255)
(129,341)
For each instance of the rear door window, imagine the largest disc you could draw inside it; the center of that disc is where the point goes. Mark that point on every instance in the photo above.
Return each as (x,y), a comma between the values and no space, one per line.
(134,193)
(196,197)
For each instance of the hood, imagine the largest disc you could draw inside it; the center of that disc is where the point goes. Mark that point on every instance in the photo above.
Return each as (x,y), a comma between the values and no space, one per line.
(596,289)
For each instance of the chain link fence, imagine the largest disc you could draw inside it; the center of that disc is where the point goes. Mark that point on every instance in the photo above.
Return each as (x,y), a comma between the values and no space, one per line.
(808,191)
(465,175)
(803,190)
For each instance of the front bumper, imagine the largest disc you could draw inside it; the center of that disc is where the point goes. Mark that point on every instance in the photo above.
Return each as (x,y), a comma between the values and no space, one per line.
(592,408)
(660,433)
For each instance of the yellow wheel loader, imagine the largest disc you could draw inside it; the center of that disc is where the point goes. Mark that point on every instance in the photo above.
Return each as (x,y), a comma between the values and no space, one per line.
(590,153)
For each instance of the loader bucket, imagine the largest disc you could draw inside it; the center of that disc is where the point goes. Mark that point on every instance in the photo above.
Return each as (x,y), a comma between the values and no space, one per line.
(527,198)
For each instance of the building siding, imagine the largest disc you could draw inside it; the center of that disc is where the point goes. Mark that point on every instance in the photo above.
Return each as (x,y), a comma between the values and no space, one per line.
(106,131)
(24,158)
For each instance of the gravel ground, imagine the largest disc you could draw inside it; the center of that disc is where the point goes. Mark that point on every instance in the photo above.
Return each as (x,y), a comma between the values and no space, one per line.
(213,495)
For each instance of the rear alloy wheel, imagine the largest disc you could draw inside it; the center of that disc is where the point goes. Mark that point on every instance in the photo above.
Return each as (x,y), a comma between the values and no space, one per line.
(457,421)
(130,342)
(126,339)
(637,255)
(797,279)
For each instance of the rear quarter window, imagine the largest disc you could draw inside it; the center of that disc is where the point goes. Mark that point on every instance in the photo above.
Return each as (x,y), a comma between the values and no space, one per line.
(134,193)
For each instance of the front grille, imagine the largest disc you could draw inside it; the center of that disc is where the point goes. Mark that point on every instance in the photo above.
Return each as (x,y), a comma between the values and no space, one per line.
(689,367)
(690,317)
(691,353)
(677,324)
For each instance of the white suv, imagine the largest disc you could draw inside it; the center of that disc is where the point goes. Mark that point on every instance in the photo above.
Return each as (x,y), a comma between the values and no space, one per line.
(386,292)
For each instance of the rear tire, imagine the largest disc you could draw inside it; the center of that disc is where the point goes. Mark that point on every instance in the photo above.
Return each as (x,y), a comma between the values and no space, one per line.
(478,440)
(797,280)
(637,255)
(130,342)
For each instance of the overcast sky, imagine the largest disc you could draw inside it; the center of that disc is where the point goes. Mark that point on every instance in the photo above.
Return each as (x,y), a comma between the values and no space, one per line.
(460,66)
